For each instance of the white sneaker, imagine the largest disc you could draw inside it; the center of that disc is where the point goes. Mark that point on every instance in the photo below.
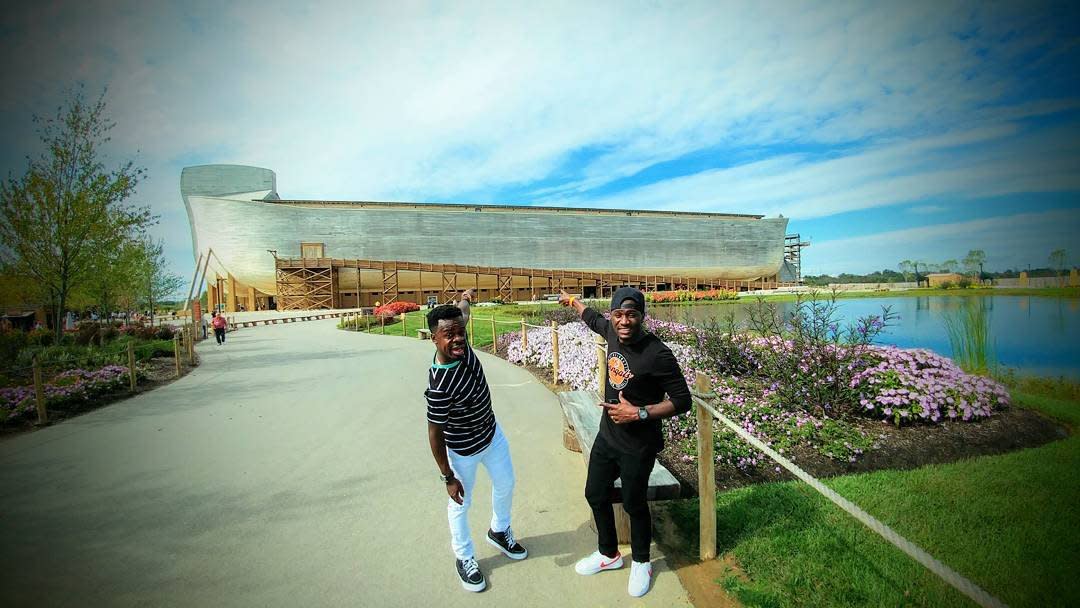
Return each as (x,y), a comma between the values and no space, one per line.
(640,577)
(597,562)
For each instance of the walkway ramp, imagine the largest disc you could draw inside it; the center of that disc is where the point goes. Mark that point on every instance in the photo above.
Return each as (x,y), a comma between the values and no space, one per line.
(291,469)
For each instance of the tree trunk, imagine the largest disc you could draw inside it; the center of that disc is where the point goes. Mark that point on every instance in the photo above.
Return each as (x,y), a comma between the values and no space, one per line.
(61,302)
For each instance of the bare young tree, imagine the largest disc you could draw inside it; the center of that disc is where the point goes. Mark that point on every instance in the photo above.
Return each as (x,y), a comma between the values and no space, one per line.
(1058,259)
(67,207)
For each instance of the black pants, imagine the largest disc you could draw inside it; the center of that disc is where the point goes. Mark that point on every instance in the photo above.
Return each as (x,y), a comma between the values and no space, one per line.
(606,464)
(220,335)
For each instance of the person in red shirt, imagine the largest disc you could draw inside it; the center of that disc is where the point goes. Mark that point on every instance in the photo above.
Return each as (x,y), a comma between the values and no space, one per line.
(219,324)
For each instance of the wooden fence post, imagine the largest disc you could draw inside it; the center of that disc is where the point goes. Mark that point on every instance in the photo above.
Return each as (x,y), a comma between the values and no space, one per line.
(494,336)
(524,339)
(176,353)
(706,476)
(191,344)
(554,352)
(39,394)
(131,364)
(404,331)
(382,325)
(601,364)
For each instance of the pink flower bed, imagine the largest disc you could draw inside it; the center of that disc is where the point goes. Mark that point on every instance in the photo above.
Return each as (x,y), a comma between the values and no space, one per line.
(64,390)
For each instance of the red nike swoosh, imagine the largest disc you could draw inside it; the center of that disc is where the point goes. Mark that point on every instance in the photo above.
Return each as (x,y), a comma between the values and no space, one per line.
(605,565)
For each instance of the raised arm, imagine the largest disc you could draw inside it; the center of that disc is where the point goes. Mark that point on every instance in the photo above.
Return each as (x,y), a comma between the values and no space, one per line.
(593,319)
(463,304)
(568,300)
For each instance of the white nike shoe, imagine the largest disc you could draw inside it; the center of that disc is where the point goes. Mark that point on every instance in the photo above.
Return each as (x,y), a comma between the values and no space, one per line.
(597,562)
(640,577)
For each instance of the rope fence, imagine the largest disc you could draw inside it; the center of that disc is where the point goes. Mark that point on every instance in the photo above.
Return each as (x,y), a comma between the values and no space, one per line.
(707,491)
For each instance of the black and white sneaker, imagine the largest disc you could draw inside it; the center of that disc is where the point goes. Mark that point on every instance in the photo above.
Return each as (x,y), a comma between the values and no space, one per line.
(504,541)
(471,577)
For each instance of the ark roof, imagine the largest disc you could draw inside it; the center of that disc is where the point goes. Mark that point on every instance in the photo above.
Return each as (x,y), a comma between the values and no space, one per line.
(466,207)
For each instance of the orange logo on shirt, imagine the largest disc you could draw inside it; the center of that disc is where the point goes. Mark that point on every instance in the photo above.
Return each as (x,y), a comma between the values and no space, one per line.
(618,371)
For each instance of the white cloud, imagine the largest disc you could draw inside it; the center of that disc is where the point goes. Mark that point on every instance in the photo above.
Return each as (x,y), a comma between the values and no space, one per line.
(418,101)
(1012,241)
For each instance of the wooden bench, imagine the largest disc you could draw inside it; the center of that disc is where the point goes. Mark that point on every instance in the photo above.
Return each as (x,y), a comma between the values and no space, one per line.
(582,422)
(423,334)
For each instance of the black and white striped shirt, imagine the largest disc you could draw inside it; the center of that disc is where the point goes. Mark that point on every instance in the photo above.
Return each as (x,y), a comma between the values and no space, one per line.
(459,401)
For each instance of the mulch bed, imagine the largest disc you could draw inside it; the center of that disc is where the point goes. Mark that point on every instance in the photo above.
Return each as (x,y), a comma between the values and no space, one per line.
(156,372)
(908,447)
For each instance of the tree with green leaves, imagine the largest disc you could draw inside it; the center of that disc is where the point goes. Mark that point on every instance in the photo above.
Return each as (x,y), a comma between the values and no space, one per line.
(973,261)
(905,268)
(1058,260)
(67,207)
(114,282)
(156,281)
(949,266)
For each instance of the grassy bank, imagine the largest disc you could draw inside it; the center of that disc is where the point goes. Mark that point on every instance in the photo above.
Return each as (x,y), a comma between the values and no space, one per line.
(1047,292)
(1010,523)
(481,334)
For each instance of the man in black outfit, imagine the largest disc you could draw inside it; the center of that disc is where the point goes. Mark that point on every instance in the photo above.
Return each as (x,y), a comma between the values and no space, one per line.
(644,386)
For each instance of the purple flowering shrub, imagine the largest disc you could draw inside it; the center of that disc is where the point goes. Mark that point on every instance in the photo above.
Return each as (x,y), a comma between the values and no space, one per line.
(577,353)
(66,390)
(907,385)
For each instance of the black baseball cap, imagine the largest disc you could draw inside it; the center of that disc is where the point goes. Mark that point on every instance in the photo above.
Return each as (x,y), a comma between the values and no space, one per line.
(623,294)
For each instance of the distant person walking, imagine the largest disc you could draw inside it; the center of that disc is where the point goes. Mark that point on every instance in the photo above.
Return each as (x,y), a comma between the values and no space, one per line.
(463,434)
(644,385)
(219,324)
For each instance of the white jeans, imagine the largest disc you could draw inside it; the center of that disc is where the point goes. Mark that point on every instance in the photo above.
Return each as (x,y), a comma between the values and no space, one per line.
(496,459)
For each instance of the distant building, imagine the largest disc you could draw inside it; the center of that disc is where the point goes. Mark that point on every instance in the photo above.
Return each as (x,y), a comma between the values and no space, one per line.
(321,254)
(938,279)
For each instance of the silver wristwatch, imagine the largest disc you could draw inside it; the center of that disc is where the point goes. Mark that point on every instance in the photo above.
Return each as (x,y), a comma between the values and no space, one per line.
(447,478)
(642,413)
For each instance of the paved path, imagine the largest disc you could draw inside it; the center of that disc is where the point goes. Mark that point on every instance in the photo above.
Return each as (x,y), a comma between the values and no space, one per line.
(290,469)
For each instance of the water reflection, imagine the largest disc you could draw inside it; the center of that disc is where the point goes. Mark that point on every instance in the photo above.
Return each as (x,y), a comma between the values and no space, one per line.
(1037,335)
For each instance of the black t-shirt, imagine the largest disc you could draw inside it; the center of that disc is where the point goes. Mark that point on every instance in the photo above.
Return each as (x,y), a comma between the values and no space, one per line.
(645,371)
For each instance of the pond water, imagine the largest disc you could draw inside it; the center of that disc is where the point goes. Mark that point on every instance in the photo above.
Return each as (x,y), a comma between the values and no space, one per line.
(1035,335)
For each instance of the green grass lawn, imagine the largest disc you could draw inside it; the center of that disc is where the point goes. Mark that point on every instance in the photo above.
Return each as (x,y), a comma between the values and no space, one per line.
(481,326)
(1010,523)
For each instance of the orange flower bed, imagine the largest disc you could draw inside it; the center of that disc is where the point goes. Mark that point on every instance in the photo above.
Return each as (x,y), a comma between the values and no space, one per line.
(394,309)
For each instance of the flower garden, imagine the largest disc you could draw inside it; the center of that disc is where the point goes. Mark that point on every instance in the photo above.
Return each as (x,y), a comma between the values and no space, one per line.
(803,385)
(89,364)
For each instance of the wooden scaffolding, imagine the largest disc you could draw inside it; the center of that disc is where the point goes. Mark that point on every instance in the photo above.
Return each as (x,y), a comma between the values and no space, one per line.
(311,283)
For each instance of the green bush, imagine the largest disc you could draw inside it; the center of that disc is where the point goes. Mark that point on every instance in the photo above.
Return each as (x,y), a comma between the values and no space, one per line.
(964,283)
(165,332)
(11,342)
(946,285)
(88,333)
(40,337)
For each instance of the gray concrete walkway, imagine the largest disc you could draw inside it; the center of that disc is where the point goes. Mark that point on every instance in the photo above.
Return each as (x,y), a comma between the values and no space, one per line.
(290,469)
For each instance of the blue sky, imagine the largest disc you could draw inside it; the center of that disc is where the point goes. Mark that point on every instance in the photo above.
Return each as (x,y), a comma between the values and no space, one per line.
(885,131)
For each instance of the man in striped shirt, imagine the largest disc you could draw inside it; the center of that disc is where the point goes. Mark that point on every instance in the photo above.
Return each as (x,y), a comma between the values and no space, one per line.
(463,434)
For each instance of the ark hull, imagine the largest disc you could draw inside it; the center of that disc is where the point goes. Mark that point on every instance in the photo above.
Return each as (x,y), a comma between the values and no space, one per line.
(236,211)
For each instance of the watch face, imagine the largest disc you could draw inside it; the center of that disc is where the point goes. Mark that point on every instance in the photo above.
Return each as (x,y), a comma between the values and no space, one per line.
(643,413)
